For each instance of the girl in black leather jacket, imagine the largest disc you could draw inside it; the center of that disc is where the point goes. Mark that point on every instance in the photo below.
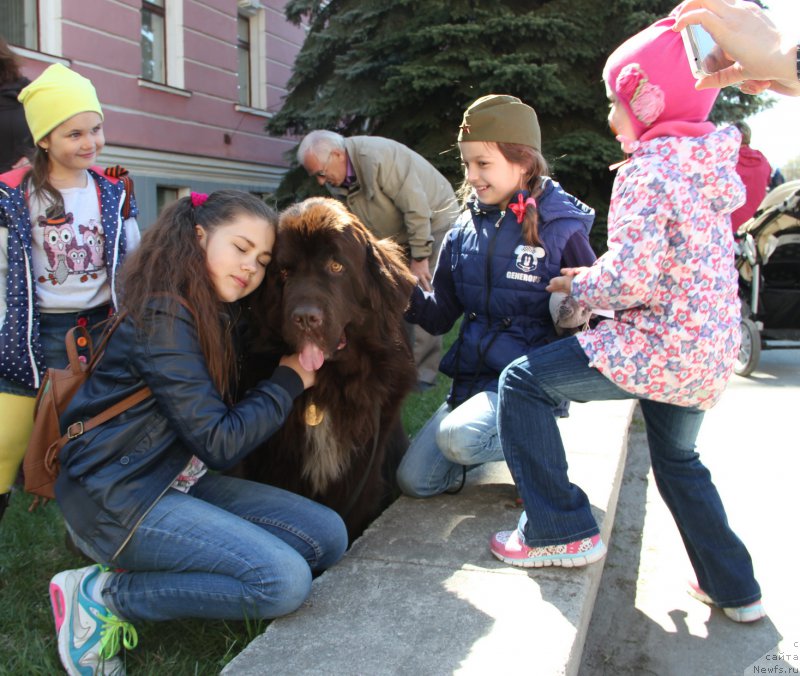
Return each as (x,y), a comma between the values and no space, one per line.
(141,493)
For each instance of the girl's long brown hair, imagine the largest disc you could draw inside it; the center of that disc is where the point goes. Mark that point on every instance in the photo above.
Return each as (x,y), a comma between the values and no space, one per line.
(39,175)
(39,172)
(535,169)
(170,262)
(9,63)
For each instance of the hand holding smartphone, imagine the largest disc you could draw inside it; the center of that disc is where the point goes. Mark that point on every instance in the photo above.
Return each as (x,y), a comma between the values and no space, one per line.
(705,56)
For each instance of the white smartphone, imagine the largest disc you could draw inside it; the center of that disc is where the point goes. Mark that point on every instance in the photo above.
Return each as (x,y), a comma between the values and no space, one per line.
(701,50)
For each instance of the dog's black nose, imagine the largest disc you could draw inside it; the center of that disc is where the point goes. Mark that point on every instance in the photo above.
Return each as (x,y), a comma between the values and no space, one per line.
(307,317)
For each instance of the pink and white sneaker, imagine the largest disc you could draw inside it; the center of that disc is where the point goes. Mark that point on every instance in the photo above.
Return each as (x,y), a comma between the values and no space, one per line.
(509,547)
(752,612)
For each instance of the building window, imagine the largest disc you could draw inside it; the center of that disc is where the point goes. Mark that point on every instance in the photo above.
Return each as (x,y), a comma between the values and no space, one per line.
(243,49)
(19,23)
(252,54)
(165,196)
(153,41)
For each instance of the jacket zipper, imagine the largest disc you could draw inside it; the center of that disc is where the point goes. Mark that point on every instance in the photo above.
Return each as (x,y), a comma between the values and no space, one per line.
(141,518)
(490,253)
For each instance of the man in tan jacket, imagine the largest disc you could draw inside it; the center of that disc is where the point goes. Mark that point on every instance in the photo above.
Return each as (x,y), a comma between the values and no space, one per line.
(396,193)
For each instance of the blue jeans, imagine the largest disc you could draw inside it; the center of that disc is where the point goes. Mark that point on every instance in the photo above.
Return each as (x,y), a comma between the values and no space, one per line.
(559,511)
(449,441)
(229,549)
(53,328)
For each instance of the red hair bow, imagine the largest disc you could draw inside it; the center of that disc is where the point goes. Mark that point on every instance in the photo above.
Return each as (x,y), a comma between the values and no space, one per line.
(198,199)
(520,206)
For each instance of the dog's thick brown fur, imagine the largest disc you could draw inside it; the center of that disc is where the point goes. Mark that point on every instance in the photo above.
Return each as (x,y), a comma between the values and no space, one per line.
(335,292)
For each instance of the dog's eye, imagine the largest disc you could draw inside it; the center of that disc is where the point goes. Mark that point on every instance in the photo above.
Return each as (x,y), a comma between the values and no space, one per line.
(284,274)
(336,267)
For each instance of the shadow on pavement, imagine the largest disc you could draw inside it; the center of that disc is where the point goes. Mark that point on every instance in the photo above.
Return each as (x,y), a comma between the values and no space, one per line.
(644,622)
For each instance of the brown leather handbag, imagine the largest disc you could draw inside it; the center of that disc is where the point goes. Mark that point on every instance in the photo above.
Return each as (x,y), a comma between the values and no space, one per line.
(40,465)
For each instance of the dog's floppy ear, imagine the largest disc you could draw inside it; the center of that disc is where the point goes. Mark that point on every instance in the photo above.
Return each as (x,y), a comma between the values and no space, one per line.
(389,282)
(386,265)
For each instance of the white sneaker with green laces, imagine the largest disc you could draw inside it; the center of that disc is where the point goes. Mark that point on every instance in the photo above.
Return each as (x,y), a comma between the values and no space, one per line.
(89,635)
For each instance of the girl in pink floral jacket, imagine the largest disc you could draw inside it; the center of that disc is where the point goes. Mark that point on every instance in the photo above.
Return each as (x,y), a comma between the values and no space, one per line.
(669,277)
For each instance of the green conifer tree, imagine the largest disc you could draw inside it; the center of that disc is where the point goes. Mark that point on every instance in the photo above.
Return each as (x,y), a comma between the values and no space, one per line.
(406,69)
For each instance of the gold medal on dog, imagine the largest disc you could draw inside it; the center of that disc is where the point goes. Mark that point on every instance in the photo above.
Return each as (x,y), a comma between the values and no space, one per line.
(314,415)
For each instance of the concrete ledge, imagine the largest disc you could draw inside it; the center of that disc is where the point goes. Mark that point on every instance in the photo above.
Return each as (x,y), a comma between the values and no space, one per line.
(419,593)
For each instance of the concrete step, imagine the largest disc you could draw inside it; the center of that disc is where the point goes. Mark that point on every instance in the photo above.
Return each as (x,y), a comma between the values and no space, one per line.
(419,593)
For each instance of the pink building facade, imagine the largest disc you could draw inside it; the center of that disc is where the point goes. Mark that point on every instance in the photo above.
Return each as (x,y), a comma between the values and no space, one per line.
(187,86)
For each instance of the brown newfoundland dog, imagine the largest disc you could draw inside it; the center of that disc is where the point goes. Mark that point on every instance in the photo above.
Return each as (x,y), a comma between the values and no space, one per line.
(336,296)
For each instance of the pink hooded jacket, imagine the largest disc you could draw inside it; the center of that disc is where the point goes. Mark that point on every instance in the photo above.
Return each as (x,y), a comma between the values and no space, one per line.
(668,272)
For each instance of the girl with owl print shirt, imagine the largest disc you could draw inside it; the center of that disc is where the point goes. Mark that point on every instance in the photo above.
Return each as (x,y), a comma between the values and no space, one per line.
(518,229)
(65,228)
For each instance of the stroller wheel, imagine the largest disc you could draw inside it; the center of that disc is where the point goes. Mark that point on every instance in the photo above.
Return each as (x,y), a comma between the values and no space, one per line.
(750,349)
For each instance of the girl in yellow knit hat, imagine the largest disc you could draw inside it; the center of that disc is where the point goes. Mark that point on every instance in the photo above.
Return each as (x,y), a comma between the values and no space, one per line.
(64,229)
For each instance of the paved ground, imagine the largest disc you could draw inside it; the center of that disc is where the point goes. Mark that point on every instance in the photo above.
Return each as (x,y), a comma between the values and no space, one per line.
(643,621)
(420,594)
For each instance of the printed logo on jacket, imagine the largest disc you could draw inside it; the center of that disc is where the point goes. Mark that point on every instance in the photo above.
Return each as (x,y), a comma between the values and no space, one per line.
(527,260)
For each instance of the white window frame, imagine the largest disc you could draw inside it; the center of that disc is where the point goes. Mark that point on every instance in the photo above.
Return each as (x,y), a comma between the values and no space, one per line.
(50,24)
(257,15)
(174,54)
(49,49)
(176,58)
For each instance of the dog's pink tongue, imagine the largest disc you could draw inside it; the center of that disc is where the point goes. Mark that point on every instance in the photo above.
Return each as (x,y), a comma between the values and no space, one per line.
(311,357)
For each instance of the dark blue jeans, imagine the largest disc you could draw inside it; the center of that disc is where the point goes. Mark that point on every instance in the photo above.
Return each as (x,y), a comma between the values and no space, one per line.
(559,511)
(53,329)
(229,549)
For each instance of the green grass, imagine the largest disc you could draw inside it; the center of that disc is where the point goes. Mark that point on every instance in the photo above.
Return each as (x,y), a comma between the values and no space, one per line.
(32,551)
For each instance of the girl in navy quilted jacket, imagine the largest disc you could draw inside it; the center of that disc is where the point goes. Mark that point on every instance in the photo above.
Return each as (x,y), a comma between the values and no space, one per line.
(519,228)
(64,230)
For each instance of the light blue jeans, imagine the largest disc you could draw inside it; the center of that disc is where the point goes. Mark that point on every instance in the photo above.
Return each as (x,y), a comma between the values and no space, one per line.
(559,512)
(450,440)
(229,549)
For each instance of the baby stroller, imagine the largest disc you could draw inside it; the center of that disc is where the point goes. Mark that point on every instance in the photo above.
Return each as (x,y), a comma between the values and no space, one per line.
(768,261)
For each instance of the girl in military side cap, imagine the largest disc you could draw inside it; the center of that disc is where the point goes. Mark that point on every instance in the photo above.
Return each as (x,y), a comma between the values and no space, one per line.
(517,230)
